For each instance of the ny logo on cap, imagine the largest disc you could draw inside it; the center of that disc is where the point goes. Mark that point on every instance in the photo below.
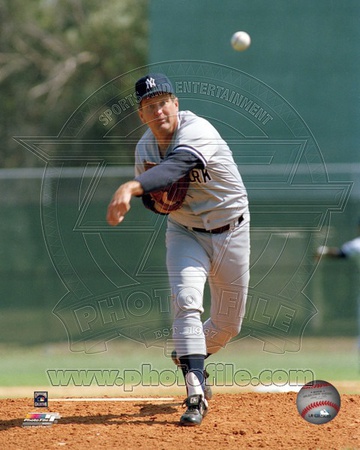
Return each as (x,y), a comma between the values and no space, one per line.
(150,83)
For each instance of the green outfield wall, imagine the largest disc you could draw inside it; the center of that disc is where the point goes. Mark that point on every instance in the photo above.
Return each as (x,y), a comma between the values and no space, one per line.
(289,108)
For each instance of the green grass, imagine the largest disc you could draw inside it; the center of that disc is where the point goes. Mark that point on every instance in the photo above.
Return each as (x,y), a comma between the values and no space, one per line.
(332,359)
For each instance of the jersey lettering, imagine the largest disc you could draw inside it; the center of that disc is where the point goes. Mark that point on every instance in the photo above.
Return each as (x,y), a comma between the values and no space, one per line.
(200,176)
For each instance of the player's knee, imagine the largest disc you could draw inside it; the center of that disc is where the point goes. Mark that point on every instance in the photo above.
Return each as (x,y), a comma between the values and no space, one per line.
(189,299)
(230,330)
(234,330)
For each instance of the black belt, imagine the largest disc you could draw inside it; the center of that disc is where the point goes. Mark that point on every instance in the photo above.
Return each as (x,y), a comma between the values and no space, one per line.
(217,230)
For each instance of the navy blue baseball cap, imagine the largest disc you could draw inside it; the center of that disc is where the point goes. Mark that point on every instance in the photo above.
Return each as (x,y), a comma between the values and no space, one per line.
(153,84)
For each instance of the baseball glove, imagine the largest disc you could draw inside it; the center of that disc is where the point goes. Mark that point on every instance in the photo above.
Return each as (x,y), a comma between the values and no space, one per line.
(170,198)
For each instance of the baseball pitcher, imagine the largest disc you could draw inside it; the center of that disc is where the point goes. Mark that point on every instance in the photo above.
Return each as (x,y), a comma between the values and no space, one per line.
(184,169)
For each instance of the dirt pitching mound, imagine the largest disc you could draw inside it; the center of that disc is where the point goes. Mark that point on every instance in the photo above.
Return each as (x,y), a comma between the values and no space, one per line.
(235,421)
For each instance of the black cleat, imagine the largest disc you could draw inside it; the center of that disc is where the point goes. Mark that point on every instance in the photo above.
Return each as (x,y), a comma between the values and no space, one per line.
(196,411)
(207,388)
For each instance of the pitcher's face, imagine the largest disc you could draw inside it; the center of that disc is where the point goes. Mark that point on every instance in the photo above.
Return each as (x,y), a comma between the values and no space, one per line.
(160,114)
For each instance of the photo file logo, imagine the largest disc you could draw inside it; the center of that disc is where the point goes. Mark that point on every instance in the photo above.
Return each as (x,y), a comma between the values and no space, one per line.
(40,419)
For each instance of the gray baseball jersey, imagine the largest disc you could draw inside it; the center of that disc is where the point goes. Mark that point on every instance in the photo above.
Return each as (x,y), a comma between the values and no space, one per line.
(216,194)
(352,249)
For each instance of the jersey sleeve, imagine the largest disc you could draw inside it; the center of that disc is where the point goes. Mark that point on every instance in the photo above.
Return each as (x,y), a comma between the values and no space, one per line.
(351,248)
(171,169)
(139,167)
(146,149)
(196,135)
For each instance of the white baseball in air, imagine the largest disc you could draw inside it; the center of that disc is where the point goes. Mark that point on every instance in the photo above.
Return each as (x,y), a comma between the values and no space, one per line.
(240,41)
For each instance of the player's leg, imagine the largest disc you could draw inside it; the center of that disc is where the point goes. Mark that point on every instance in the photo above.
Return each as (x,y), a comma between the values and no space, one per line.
(188,265)
(228,280)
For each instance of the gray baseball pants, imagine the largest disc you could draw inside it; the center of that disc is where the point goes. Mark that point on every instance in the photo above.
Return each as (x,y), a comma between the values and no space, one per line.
(193,258)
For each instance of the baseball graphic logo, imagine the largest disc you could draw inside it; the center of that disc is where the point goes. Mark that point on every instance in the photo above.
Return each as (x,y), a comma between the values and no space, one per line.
(318,402)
